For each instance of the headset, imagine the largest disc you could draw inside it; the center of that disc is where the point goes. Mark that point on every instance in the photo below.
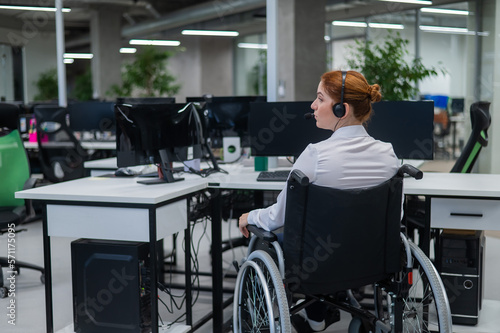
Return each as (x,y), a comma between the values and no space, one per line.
(339,108)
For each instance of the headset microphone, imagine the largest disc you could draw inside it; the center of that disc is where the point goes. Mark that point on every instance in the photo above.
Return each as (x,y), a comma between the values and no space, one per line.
(309,115)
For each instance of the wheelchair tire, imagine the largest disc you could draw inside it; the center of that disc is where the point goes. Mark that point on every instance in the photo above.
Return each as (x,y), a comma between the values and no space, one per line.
(424,306)
(259,295)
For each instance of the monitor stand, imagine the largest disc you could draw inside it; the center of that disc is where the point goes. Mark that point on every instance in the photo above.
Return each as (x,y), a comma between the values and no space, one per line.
(166,171)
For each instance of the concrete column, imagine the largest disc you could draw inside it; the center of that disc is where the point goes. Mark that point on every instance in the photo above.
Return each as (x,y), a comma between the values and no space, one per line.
(301,51)
(105,38)
(217,66)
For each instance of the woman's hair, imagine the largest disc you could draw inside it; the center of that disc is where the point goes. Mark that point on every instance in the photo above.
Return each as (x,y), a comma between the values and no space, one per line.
(357,92)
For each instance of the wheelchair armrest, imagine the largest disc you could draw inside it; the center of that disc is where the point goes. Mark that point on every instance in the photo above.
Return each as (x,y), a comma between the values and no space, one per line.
(265,235)
(411,171)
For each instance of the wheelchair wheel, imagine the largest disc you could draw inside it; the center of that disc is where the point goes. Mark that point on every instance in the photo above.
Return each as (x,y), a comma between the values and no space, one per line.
(423,306)
(260,303)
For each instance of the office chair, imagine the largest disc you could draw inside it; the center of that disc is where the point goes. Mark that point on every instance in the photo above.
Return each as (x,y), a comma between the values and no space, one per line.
(14,176)
(335,241)
(480,122)
(61,155)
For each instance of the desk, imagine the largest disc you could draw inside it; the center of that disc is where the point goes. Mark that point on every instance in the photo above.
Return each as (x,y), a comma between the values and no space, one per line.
(87,145)
(97,196)
(115,209)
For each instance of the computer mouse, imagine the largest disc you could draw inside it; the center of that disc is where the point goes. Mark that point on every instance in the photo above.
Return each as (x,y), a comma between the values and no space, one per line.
(124,172)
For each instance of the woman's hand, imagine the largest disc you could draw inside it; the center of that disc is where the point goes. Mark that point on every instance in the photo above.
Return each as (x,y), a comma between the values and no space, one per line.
(242,224)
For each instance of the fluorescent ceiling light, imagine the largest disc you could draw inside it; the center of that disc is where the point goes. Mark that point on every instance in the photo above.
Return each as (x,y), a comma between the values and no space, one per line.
(68,60)
(386,26)
(128,50)
(350,24)
(444,11)
(252,46)
(79,55)
(155,42)
(371,25)
(452,30)
(210,33)
(40,9)
(417,2)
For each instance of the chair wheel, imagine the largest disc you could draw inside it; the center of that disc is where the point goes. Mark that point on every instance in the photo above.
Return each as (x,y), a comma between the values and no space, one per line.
(3,292)
(42,278)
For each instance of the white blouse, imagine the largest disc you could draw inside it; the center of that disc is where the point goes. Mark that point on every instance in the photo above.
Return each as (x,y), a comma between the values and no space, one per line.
(350,158)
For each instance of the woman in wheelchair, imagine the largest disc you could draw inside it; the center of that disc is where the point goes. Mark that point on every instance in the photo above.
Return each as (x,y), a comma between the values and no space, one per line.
(349,165)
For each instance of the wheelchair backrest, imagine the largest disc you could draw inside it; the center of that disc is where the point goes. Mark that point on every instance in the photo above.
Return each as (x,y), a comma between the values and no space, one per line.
(341,239)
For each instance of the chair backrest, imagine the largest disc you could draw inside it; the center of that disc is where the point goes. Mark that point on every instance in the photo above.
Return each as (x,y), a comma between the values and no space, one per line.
(340,239)
(61,154)
(480,122)
(14,164)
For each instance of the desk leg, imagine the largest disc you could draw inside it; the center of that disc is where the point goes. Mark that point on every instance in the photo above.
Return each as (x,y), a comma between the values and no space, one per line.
(49,311)
(187,263)
(153,274)
(217,262)
(426,236)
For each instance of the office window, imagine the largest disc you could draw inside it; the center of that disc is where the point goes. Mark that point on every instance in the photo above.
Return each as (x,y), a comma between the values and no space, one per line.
(250,65)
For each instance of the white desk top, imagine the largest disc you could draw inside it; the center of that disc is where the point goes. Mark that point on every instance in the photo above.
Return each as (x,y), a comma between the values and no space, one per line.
(455,184)
(94,145)
(115,190)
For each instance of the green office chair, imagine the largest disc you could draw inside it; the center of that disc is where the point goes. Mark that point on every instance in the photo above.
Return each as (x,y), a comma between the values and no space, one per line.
(14,176)
(480,122)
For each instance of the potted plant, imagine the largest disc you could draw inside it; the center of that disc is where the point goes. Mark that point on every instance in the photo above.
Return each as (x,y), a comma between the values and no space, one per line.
(384,63)
(147,75)
(47,86)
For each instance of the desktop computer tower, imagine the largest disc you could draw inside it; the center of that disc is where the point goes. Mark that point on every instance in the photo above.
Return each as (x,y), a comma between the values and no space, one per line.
(110,292)
(460,263)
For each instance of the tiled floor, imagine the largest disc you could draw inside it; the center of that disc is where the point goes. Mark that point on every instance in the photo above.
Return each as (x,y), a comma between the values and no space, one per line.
(30,308)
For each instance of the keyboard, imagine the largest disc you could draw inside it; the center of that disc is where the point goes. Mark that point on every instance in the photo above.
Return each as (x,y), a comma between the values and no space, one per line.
(273,176)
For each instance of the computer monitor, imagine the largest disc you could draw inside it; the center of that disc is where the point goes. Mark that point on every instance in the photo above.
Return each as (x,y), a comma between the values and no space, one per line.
(228,116)
(408,125)
(279,128)
(92,116)
(158,134)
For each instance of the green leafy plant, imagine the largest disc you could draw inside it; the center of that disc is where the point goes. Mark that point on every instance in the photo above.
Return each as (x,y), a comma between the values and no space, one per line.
(384,63)
(83,86)
(47,86)
(258,74)
(147,75)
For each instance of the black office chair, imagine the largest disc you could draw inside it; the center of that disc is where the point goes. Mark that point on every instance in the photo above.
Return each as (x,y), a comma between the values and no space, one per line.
(61,154)
(14,176)
(480,121)
(336,241)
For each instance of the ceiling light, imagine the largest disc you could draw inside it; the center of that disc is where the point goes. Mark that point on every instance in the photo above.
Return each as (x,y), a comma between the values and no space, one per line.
(41,9)
(444,11)
(155,42)
(128,50)
(371,25)
(210,33)
(68,60)
(79,55)
(350,24)
(252,46)
(386,26)
(416,2)
(444,29)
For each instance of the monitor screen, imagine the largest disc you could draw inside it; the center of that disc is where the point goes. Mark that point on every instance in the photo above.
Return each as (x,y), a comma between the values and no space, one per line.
(279,128)
(228,116)
(145,129)
(408,125)
(92,116)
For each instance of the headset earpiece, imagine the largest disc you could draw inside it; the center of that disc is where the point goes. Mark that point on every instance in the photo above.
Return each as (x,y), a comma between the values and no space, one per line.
(339,108)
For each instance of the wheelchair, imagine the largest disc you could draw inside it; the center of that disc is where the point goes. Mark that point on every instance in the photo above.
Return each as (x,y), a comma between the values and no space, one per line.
(336,243)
